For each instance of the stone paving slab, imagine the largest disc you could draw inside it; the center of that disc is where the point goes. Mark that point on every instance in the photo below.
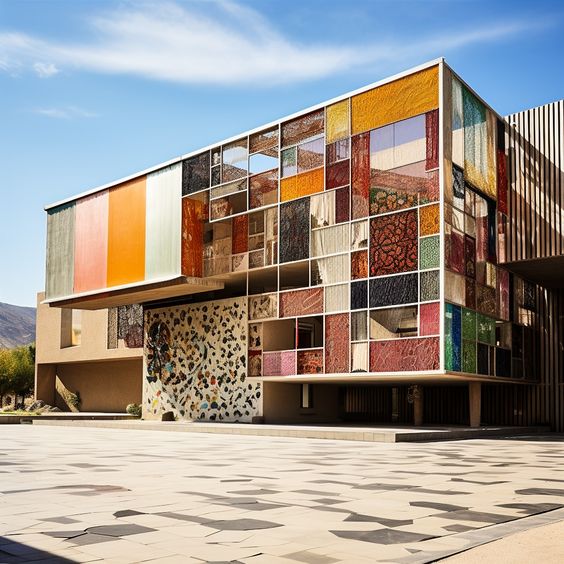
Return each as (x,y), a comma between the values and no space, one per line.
(179,497)
(344,432)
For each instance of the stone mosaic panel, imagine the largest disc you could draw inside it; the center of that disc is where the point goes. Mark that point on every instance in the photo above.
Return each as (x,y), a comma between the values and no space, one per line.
(279,363)
(454,251)
(470,256)
(359,295)
(294,230)
(342,205)
(429,252)
(263,307)
(393,241)
(468,324)
(302,128)
(301,302)
(429,285)
(432,138)
(486,301)
(337,343)
(196,362)
(310,361)
(453,334)
(196,173)
(469,356)
(337,174)
(429,317)
(403,355)
(429,219)
(485,329)
(240,238)
(393,290)
(359,265)
(360,178)
(263,189)
(130,325)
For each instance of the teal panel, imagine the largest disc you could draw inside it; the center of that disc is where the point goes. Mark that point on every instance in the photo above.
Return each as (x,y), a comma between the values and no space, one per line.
(429,252)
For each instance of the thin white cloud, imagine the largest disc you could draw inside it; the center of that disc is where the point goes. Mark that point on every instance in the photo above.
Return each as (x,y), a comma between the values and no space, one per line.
(45,70)
(222,43)
(67,112)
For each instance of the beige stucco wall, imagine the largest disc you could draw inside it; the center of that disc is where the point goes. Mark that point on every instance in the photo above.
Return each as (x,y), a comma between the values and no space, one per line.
(103,386)
(94,338)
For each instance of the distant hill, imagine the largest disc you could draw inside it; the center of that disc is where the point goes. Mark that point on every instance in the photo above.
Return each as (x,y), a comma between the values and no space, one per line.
(17,325)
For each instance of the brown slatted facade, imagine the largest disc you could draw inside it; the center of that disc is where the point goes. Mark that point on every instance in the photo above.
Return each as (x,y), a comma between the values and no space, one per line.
(535,251)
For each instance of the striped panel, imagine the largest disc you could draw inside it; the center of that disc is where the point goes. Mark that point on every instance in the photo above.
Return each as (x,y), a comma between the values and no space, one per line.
(60,251)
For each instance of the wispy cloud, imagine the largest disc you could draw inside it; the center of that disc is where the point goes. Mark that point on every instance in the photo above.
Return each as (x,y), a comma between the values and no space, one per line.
(222,43)
(67,112)
(45,70)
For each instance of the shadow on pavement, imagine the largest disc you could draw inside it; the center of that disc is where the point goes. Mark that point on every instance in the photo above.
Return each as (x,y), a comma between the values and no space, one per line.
(12,551)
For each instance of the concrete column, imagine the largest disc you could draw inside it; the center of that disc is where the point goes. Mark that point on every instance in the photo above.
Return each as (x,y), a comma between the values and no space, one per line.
(475,396)
(418,406)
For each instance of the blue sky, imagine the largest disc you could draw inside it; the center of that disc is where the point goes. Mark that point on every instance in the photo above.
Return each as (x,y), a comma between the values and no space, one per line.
(93,91)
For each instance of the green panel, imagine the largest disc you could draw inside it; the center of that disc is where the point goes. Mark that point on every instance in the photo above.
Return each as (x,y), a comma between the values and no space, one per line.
(469,356)
(429,252)
(468,324)
(486,329)
(59,276)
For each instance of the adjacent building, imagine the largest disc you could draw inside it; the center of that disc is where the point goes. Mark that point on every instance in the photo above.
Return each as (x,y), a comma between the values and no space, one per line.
(393,255)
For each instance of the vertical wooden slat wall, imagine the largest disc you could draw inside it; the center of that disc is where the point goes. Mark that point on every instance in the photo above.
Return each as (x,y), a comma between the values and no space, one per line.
(535,231)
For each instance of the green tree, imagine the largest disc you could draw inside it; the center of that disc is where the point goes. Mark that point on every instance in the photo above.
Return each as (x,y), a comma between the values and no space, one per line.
(17,372)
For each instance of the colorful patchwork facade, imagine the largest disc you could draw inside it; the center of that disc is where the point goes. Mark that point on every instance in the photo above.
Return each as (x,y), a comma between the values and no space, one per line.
(361,239)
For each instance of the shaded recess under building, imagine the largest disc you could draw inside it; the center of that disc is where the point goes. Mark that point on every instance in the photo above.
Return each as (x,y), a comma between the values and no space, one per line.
(393,255)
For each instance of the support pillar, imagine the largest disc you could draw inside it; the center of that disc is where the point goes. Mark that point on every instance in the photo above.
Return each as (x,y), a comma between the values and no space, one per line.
(418,406)
(475,397)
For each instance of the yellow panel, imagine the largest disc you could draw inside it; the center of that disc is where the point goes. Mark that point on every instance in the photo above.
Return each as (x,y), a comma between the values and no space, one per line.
(404,98)
(337,121)
(303,184)
(126,233)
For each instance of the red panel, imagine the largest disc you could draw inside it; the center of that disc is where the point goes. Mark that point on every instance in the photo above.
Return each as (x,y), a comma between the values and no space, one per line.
(432,134)
(192,237)
(360,175)
(501,181)
(455,252)
(337,175)
(337,343)
(429,315)
(301,302)
(240,229)
(342,205)
(470,255)
(310,362)
(400,355)
(470,293)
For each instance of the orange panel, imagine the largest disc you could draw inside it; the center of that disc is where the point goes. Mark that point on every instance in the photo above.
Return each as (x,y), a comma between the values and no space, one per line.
(303,184)
(126,233)
(429,219)
(406,97)
(91,242)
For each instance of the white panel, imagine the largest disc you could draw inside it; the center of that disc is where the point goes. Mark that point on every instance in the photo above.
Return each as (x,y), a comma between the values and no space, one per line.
(164,218)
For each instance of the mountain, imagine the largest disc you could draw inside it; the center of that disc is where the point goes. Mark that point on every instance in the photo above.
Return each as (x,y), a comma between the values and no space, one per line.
(17,325)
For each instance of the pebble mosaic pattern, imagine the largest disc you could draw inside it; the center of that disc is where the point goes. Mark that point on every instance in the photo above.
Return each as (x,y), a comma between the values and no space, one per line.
(196,362)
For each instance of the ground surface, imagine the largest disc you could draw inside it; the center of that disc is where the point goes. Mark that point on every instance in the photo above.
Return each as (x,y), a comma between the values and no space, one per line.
(80,495)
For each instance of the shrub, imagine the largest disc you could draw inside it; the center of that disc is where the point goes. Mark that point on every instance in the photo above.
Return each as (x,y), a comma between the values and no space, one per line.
(134,409)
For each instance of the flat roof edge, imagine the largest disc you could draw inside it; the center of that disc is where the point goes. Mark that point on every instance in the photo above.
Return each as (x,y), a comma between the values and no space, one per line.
(261,127)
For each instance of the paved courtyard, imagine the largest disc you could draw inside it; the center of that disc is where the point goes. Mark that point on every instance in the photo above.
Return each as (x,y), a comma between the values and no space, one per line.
(70,494)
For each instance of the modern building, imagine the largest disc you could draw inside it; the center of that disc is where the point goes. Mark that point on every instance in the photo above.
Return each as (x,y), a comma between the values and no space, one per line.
(393,255)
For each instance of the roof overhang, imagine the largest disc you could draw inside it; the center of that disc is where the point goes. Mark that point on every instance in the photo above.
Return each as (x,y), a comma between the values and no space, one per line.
(548,271)
(137,293)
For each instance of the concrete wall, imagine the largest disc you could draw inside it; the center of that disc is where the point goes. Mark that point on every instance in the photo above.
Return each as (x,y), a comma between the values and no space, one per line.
(103,386)
(282,404)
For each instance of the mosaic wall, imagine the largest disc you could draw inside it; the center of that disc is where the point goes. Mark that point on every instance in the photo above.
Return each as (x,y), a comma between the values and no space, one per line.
(482,334)
(196,362)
